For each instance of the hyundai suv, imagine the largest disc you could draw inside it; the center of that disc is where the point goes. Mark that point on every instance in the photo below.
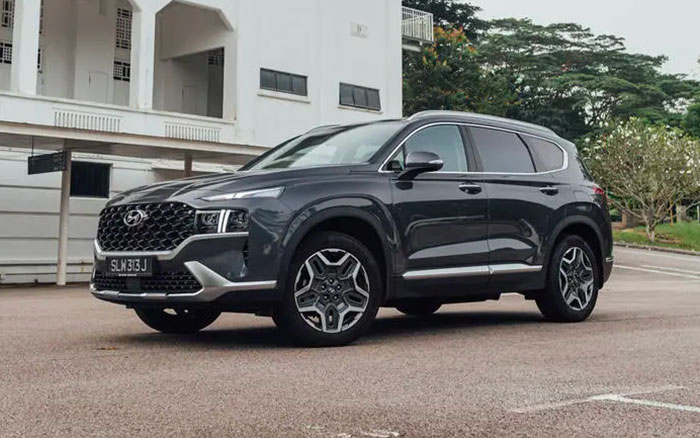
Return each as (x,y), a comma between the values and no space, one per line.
(323,230)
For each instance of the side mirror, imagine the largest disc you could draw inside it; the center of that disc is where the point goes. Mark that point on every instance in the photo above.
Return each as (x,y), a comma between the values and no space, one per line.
(421,162)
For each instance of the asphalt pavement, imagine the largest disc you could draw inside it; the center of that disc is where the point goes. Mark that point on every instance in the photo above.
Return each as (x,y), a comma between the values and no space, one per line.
(71,365)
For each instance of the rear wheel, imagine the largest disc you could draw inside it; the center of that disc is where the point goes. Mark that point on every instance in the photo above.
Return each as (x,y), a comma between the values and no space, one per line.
(333,291)
(419,308)
(572,282)
(177,320)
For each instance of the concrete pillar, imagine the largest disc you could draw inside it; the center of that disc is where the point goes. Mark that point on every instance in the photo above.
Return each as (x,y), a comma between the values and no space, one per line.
(188,165)
(143,52)
(64,216)
(25,47)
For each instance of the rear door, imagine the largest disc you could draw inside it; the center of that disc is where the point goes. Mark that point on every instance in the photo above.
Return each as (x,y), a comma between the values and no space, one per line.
(521,202)
(441,217)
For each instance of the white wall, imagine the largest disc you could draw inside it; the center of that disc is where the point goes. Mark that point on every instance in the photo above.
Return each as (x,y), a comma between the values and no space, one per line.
(313,38)
(29,206)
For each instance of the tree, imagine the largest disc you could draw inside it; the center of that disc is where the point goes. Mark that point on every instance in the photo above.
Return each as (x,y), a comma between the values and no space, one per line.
(452,14)
(691,120)
(448,76)
(645,169)
(575,81)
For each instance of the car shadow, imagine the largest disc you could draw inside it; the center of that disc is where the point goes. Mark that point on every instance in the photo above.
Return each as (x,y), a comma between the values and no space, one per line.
(385,329)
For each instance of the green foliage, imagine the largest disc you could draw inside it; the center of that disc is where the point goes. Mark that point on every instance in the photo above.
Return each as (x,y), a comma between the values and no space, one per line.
(645,168)
(691,121)
(451,14)
(684,235)
(448,76)
(574,81)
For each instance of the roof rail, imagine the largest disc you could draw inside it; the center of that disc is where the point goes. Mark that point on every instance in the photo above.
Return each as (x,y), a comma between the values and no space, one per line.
(483,117)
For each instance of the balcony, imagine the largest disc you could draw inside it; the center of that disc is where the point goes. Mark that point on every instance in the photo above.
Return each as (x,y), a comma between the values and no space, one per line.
(416,28)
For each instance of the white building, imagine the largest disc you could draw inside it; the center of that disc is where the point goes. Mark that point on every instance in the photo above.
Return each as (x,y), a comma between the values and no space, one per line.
(138,90)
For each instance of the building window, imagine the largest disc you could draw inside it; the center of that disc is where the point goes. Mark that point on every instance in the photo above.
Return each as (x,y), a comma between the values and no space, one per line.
(122,71)
(360,97)
(124,29)
(8,14)
(216,57)
(283,82)
(5,52)
(89,180)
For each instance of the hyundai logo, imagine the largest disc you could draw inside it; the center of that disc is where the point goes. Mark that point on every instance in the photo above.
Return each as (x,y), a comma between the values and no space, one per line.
(134,218)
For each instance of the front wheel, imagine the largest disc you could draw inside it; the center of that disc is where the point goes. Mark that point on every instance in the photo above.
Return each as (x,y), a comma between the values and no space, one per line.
(177,320)
(572,282)
(333,291)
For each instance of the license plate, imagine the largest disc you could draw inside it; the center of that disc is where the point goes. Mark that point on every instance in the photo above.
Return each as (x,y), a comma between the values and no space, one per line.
(130,266)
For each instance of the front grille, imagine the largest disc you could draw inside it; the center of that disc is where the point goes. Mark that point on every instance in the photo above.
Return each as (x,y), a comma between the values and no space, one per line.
(166,226)
(169,282)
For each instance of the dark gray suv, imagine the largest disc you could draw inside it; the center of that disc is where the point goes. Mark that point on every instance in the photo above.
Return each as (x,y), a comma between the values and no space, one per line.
(324,229)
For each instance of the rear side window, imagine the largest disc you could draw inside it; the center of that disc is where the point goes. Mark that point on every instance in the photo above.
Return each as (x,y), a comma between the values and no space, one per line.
(445,141)
(549,156)
(501,152)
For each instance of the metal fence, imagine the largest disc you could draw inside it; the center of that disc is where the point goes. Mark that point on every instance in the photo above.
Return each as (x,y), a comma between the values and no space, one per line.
(417,25)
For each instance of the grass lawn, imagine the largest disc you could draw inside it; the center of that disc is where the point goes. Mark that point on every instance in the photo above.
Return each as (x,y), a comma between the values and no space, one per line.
(684,236)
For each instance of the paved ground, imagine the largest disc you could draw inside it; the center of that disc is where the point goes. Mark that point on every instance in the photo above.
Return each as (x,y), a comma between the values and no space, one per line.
(73,366)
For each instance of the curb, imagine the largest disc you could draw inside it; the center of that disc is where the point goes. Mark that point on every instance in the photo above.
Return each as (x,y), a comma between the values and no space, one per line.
(658,249)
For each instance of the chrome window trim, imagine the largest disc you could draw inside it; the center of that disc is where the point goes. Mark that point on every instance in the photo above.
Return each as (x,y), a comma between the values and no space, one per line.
(477,125)
(469,271)
(163,255)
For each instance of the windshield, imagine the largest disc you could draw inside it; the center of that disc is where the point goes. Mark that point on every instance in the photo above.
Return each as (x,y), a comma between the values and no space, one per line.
(343,145)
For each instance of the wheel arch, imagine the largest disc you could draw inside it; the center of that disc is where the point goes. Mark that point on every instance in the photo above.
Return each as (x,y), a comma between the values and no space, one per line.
(587,229)
(360,223)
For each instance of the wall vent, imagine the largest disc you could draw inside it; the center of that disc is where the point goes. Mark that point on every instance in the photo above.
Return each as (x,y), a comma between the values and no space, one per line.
(87,121)
(192,132)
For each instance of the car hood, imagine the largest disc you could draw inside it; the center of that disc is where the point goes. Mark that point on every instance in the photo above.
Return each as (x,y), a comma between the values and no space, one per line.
(191,190)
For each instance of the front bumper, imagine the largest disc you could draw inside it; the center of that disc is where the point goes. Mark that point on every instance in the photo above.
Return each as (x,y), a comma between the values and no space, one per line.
(217,262)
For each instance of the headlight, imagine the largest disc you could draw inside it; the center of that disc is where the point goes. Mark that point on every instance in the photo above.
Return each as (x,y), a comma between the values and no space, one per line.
(221,221)
(264,193)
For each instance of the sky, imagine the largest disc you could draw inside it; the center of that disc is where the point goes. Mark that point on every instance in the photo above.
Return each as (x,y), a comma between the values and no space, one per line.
(668,27)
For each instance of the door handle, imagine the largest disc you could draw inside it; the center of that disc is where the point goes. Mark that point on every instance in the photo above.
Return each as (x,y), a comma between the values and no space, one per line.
(549,191)
(472,189)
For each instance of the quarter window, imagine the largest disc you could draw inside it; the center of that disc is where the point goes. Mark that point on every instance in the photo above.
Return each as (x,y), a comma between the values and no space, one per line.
(549,156)
(444,140)
(89,180)
(360,97)
(283,82)
(501,152)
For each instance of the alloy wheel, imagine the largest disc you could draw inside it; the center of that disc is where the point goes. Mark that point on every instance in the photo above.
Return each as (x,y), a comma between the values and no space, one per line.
(331,290)
(576,278)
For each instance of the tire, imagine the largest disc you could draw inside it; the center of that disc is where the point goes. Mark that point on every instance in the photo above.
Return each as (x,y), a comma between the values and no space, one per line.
(573,276)
(419,308)
(179,322)
(332,294)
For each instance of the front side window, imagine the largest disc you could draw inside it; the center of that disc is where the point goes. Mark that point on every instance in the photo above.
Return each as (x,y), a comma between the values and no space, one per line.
(344,145)
(444,140)
(501,151)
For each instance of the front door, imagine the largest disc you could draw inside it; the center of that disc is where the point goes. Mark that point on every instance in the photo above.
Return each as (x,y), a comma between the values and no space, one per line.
(441,217)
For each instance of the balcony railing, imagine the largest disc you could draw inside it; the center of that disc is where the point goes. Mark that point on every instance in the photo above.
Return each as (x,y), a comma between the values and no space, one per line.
(417,25)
